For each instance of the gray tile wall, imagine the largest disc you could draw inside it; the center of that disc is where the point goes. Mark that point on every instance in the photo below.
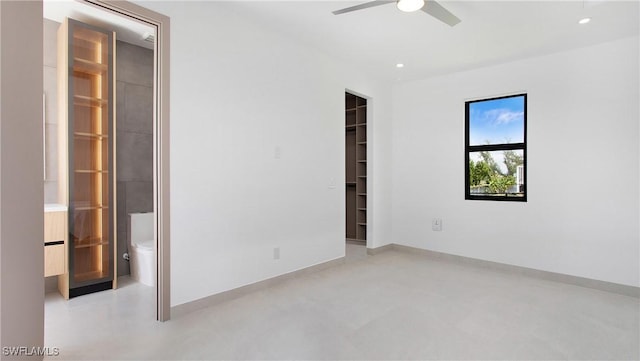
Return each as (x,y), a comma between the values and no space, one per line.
(134,131)
(134,138)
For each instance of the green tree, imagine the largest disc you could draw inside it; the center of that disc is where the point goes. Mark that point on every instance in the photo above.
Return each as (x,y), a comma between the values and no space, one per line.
(479,173)
(499,183)
(512,160)
(490,162)
(487,172)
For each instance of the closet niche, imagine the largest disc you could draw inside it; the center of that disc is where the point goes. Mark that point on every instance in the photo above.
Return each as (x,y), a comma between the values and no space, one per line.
(356,168)
(86,136)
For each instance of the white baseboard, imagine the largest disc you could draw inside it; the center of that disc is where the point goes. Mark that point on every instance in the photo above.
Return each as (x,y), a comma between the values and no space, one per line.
(530,272)
(186,308)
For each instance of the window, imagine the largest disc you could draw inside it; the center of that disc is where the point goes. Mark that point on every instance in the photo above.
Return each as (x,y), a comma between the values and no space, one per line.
(496,148)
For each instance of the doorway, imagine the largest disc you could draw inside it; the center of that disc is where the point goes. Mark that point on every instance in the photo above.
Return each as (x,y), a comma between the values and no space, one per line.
(124,12)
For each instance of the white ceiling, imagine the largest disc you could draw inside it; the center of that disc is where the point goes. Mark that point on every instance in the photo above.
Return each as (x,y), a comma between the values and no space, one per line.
(491,32)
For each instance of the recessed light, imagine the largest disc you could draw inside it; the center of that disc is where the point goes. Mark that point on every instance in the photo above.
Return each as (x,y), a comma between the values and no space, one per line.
(584,21)
(399,65)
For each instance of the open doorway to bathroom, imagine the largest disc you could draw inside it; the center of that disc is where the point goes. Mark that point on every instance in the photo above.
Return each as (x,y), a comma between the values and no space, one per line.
(140,156)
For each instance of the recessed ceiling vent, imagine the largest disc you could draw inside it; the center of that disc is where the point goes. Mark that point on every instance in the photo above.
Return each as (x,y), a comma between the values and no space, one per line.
(149,37)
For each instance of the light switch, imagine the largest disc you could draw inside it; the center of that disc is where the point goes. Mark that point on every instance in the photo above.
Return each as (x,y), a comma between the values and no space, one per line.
(436,224)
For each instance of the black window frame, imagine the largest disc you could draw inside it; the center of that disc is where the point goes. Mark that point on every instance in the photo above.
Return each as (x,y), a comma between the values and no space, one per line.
(494,147)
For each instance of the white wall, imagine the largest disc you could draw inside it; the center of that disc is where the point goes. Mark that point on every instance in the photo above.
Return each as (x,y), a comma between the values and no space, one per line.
(21,191)
(239,91)
(582,214)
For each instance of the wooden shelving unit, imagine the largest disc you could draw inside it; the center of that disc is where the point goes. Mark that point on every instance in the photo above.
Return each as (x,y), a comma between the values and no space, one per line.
(356,168)
(87,122)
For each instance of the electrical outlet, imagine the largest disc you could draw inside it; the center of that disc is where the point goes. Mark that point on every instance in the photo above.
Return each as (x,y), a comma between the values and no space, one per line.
(436,224)
(276,252)
(332,183)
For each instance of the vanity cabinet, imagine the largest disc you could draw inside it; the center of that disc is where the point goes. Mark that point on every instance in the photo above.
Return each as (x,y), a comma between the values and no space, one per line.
(55,233)
(87,139)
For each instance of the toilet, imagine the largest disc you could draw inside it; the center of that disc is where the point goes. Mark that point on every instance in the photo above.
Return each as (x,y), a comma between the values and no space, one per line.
(141,240)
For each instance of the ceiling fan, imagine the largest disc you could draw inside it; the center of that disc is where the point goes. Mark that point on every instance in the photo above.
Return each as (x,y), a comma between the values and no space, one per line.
(428,6)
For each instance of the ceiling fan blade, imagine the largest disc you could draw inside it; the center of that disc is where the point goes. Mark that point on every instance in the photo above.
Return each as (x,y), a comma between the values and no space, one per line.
(437,11)
(370,4)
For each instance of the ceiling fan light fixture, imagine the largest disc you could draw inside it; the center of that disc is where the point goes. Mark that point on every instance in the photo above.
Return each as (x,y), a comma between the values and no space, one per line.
(410,5)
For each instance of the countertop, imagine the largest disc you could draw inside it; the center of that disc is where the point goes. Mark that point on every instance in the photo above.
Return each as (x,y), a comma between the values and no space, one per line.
(55,207)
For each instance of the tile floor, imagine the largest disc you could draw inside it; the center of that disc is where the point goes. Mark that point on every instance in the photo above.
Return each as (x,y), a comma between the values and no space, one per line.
(394,305)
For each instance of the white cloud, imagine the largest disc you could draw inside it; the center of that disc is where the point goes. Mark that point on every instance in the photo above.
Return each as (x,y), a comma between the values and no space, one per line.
(503,116)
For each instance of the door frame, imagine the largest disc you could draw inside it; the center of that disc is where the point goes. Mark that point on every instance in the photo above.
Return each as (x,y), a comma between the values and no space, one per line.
(160,141)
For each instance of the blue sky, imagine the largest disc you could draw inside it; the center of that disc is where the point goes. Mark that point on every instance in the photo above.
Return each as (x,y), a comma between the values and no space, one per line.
(497,121)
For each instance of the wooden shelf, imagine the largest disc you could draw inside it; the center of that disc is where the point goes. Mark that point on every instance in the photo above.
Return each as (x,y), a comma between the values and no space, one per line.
(96,136)
(86,101)
(91,244)
(91,171)
(350,184)
(89,208)
(89,67)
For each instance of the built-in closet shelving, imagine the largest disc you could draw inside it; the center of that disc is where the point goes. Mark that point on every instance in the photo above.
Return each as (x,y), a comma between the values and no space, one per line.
(86,87)
(356,167)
